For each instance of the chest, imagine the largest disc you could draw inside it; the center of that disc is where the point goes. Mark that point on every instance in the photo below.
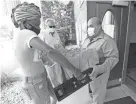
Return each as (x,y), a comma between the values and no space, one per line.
(98,46)
(51,40)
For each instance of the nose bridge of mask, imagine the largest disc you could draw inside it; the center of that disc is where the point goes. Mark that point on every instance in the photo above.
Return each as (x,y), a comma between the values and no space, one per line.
(51,29)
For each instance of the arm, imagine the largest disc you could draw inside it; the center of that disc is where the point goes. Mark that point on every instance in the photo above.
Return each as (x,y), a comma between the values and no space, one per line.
(111,54)
(37,43)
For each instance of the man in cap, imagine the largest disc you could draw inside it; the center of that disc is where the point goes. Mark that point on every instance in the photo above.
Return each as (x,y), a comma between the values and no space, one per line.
(108,58)
(37,86)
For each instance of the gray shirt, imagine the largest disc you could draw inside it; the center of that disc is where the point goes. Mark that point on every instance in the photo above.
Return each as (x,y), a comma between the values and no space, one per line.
(107,51)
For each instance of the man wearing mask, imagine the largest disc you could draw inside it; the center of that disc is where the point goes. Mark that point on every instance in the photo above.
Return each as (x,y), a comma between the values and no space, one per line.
(36,84)
(108,58)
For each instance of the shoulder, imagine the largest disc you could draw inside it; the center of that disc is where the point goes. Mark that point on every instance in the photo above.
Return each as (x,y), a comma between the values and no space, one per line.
(109,42)
(26,31)
(108,38)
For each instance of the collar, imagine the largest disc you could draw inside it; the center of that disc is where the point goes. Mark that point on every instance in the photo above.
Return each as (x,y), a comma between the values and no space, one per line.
(100,35)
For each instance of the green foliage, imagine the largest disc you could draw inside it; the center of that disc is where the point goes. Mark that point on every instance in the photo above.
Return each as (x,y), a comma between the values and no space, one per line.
(63,16)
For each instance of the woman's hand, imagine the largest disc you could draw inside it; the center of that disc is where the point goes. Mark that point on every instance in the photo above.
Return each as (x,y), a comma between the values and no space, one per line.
(78,74)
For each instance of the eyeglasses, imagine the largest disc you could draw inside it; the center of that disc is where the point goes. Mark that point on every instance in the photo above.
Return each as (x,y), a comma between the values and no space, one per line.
(51,26)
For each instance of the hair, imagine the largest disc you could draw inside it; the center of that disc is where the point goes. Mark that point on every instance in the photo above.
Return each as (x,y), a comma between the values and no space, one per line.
(48,20)
(96,19)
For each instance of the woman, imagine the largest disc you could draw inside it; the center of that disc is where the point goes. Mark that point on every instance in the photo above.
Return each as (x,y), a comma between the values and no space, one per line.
(37,85)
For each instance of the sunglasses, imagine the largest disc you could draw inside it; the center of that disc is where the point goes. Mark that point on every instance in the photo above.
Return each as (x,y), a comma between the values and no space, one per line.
(51,26)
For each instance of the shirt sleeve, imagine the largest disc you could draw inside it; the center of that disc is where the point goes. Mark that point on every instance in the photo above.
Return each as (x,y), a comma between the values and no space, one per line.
(29,35)
(111,54)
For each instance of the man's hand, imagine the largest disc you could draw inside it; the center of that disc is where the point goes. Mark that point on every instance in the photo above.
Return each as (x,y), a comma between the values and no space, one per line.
(95,73)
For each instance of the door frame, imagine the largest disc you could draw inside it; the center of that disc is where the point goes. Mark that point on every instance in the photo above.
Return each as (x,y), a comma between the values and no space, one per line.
(125,79)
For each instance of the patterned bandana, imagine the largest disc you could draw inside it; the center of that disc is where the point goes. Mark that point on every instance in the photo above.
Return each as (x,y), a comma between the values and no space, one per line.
(26,11)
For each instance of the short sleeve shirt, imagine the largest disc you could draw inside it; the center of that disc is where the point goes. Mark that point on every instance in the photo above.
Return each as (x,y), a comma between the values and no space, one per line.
(25,53)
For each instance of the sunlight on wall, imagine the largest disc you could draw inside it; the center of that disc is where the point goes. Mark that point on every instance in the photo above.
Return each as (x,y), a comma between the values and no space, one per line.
(80,20)
(109,29)
(107,24)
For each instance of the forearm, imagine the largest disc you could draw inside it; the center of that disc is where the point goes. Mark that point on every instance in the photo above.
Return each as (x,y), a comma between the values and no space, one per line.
(58,57)
(52,53)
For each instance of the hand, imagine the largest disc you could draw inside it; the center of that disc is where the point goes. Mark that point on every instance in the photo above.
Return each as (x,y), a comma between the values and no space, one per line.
(79,74)
(94,74)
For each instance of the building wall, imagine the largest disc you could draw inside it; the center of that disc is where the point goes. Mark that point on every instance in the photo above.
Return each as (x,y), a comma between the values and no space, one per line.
(80,10)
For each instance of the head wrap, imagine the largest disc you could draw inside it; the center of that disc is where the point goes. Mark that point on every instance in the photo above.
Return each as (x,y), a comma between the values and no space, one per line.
(26,11)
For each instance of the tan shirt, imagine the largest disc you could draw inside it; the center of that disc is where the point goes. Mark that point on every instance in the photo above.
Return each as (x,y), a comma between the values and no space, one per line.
(25,54)
(107,50)
(49,39)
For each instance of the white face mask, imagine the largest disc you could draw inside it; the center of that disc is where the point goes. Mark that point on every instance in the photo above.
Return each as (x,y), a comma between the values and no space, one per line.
(51,30)
(90,31)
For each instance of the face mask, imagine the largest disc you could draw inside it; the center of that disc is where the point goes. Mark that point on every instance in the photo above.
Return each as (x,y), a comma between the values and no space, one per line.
(51,30)
(35,29)
(90,31)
